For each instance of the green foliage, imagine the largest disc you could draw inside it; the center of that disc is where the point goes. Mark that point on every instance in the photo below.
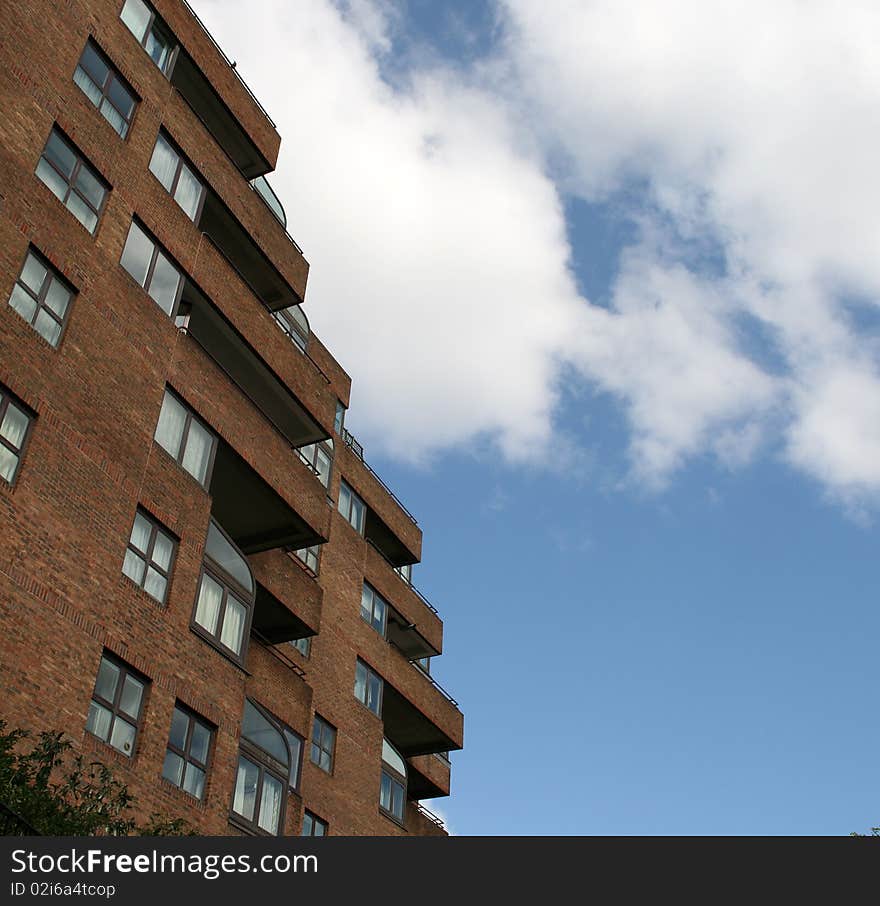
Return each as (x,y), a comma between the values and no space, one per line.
(875,832)
(59,793)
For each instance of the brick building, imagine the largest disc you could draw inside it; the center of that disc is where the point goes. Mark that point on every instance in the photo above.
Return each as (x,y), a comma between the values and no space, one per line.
(201,580)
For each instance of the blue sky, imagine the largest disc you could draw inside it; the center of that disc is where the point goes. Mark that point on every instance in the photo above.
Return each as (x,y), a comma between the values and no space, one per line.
(606,278)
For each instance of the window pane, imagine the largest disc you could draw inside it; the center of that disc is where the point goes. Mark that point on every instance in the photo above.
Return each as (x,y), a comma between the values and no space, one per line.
(385,792)
(136,15)
(14,425)
(114,117)
(23,303)
(8,464)
(48,328)
(225,555)
(194,780)
(374,693)
(307,825)
(164,283)
(366,604)
(210,596)
(83,213)
(188,192)
(258,730)
(323,466)
(172,419)
(357,513)
(179,726)
(89,188)
(98,721)
(172,769)
(233,624)
(270,804)
(121,98)
(51,178)
(163,163)
(397,800)
(57,297)
(122,736)
(200,743)
(157,47)
(92,63)
(58,152)
(108,677)
(245,796)
(155,585)
(344,499)
(137,253)
(162,550)
(360,682)
(132,693)
(198,451)
(33,274)
(140,532)
(133,567)
(85,81)
(294,743)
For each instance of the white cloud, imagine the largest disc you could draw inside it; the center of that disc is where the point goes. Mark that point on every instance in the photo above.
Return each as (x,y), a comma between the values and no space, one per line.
(440,264)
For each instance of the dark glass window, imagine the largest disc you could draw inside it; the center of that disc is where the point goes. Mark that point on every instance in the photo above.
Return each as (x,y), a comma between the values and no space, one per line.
(226,595)
(352,507)
(178,177)
(323,744)
(105,88)
(189,746)
(339,421)
(151,267)
(368,687)
(392,789)
(150,32)
(42,297)
(264,772)
(149,556)
(186,439)
(374,609)
(313,826)
(73,181)
(116,709)
(319,457)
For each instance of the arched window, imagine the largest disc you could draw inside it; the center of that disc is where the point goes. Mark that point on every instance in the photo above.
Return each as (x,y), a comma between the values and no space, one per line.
(225,601)
(392,791)
(264,771)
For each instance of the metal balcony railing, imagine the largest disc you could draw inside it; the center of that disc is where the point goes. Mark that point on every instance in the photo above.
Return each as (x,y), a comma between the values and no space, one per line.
(277,653)
(358,450)
(409,585)
(434,819)
(230,64)
(428,677)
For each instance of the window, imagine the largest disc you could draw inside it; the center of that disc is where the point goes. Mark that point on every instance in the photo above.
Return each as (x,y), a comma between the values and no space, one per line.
(293,321)
(150,32)
(226,595)
(178,177)
(323,744)
(319,457)
(313,826)
(424,664)
(117,703)
(405,573)
(15,423)
(392,790)
(186,758)
(339,421)
(310,556)
(76,184)
(41,297)
(352,507)
(149,556)
(264,770)
(144,259)
(105,88)
(374,609)
(186,439)
(368,687)
(303,646)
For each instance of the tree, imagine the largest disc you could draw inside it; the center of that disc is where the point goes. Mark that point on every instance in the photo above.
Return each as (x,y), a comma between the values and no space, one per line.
(51,790)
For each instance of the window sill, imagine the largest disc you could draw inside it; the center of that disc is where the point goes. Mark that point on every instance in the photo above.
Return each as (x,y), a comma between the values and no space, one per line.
(392,818)
(224,652)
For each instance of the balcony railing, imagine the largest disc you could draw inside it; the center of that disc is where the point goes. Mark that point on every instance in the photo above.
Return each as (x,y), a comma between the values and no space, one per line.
(409,585)
(434,819)
(358,450)
(429,678)
(229,63)
(277,653)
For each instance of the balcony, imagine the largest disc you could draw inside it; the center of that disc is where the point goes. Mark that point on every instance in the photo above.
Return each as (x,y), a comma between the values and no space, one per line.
(221,100)
(428,777)
(288,600)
